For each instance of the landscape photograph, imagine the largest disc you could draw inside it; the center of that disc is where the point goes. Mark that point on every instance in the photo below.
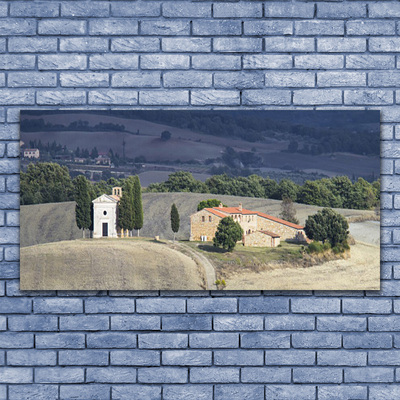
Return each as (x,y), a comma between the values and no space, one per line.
(199,200)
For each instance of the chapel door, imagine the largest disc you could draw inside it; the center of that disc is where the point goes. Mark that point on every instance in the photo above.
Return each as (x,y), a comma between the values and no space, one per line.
(105,229)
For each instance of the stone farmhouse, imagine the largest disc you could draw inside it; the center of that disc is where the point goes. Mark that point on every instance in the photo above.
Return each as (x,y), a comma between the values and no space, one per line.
(260,230)
(105,214)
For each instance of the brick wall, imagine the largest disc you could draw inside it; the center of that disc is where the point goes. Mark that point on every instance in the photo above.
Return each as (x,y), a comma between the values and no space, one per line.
(190,345)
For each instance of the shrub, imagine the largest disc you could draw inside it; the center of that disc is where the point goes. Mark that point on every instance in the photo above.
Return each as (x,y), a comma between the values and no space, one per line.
(315,247)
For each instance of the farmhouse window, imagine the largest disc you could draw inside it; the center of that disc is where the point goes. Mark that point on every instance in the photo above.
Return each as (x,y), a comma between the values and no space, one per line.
(203,218)
(209,218)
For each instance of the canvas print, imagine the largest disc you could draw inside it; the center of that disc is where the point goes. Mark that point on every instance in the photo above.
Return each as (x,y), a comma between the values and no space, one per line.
(200,200)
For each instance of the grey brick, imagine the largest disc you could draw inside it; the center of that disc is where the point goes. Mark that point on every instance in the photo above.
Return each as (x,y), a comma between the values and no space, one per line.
(31,357)
(366,306)
(13,150)
(216,27)
(241,323)
(238,357)
(135,44)
(319,61)
(32,79)
(215,97)
(289,392)
(367,374)
(113,27)
(263,305)
(238,10)
(62,97)
(265,96)
(84,323)
(290,357)
(16,340)
(268,27)
(342,358)
(17,61)
(289,79)
(61,61)
(384,78)
(216,62)
(179,392)
(214,375)
(163,340)
(316,340)
(113,61)
(212,305)
(57,306)
(186,357)
(32,322)
(187,323)
(341,11)
(135,357)
(94,391)
(162,375)
(242,392)
(109,305)
(135,322)
(288,10)
(186,79)
(164,61)
(181,9)
(370,61)
(387,44)
(214,340)
(289,44)
(61,27)
(373,28)
(83,79)
(289,323)
(16,375)
(129,9)
(136,392)
(341,45)
(342,392)
(325,28)
(111,340)
(261,340)
(237,45)
(154,98)
(79,9)
(59,375)
(342,78)
(19,26)
(16,306)
(317,96)
(341,323)
(317,375)
(263,375)
(32,391)
(382,10)
(34,9)
(386,323)
(111,375)
(83,357)
(384,357)
(32,45)
(368,97)
(87,45)
(165,28)
(194,45)
(367,341)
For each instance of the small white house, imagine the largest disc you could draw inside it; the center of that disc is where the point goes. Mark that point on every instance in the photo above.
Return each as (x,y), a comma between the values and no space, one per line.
(105,214)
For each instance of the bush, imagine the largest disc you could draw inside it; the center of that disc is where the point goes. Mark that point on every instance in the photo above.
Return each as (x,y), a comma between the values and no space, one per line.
(315,247)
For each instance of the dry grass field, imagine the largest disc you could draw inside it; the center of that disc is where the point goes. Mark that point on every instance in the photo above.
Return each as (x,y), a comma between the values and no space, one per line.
(113,264)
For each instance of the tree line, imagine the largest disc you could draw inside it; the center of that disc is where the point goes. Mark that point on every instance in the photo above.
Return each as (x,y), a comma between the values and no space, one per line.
(336,192)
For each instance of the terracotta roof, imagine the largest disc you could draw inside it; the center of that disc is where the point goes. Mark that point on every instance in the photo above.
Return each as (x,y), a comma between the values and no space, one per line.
(115,197)
(215,212)
(269,233)
(236,210)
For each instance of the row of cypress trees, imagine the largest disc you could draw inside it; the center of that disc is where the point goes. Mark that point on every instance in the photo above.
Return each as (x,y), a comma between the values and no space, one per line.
(130,207)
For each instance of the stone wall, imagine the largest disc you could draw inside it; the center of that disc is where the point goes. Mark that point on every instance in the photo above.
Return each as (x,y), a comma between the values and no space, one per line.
(259,239)
(207,228)
(284,231)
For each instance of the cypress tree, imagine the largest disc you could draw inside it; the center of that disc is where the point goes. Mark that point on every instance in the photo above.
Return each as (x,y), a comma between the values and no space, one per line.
(137,205)
(125,208)
(174,219)
(83,215)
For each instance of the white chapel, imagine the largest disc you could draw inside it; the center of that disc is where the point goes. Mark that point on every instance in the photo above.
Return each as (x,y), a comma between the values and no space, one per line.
(105,214)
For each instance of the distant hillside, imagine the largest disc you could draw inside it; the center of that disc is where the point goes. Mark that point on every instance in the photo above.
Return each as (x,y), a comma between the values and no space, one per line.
(54,222)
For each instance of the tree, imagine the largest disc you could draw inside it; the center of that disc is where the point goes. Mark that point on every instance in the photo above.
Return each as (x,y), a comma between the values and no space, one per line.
(175,220)
(83,205)
(288,189)
(288,212)
(210,203)
(165,135)
(137,205)
(327,225)
(228,233)
(94,154)
(125,208)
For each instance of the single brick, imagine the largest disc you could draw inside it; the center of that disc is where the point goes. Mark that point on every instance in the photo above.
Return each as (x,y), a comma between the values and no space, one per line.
(240,323)
(212,305)
(261,340)
(32,79)
(334,392)
(382,10)
(368,97)
(109,305)
(32,45)
(83,357)
(316,340)
(384,357)
(194,45)
(313,97)
(16,306)
(214,375)
(36,9)
(289,79)
(263,96)
(384,78)
(10,340)
(19,26)
(263,305)
(161,98)
(366,306)
(83,79)
(37,392)
(214,340)
(370,28)
(341,11)
(111,340)
(237,45)
(64,97)
(136,79)
(316,27)
(342,78)
(31,357)
(342,358)
(92,9)
(135,44)
(130,392)
(164,61)
(389,323)
(32,323)
(13,150)
(61,27)
(370,61)
(289,323)
(238,10)
(96,391)
(111,375)
(186,357)
(114,27)
(235,392)
(162,375)
(215,97)
(59,375)
(287,10)
(290,357)
(87,45)
(367,341)
(216,62)
(16,375)
(319,61)
(268,27)
(187,323)
(181,9)
(263,375)
(17,61)
(165,28)
(387,44)
(61,61)
(163,340)
(216,27)
(109,96)
(289,392)
(3,322)
(135,357)
(114,61)
(341,45)
(135,322)
(186,79)
(57,306)
(341,323)
(129,9)
(84,323)
(317,375)
(238,357)
(179,392)
(315,305)
(369,375)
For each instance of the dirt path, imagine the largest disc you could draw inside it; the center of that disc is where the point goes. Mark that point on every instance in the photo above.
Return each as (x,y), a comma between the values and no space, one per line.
(360,272)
